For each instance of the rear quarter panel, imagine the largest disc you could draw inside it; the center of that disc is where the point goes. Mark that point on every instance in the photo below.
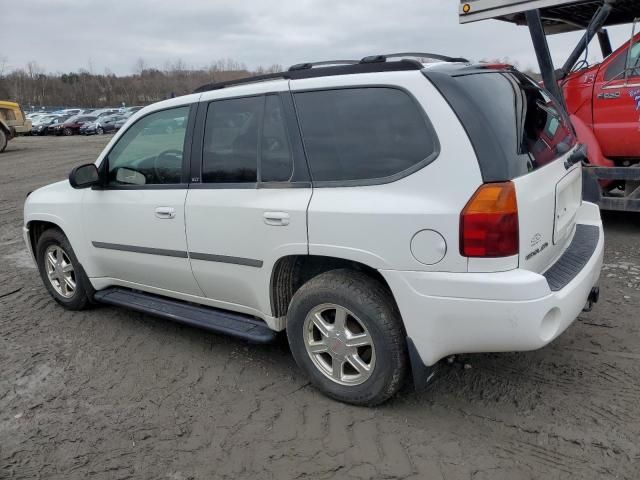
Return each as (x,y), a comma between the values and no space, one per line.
(375,224)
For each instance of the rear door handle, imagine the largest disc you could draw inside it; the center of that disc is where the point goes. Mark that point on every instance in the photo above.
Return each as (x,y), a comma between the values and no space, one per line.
(165,212)
(276,218)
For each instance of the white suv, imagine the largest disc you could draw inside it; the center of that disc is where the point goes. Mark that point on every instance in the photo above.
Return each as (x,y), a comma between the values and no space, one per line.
(385,213)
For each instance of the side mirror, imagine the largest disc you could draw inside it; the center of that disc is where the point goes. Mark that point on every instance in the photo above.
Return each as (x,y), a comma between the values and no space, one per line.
(84,176)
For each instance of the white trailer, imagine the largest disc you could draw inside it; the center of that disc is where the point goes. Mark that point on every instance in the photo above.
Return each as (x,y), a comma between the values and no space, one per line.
(557,16)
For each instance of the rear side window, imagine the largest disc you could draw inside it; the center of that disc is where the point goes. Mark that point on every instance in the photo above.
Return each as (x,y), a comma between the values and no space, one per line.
(531,128)
(363,134)
(242,133)
(231,141)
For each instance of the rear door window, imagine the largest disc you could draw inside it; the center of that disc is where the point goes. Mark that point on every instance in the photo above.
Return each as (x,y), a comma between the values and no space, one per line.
(531,128)
(364,134)
(242,133)
(230,153)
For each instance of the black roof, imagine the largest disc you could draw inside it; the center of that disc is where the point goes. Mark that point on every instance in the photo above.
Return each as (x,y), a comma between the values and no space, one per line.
(576,15)
(373,63)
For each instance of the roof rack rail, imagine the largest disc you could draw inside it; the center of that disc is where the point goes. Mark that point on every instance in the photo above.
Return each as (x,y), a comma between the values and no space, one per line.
(434,56)
(329,68)
(307,65)
(240,81)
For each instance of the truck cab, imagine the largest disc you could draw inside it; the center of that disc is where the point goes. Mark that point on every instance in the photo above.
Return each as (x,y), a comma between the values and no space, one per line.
(12,122)
(606,97)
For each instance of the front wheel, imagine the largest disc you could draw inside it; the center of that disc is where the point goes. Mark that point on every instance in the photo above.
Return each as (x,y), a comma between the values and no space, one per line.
(100,131)
(345,332)
(61,272)
(68,132)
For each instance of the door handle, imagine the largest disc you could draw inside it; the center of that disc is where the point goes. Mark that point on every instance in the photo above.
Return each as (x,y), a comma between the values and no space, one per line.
(165,212)
(608,95)
(276,218)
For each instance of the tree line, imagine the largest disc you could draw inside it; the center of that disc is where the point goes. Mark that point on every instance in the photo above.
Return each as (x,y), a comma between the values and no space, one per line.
(33,88)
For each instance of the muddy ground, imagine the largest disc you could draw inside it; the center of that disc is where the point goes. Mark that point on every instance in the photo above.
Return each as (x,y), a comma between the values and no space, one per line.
(111,394)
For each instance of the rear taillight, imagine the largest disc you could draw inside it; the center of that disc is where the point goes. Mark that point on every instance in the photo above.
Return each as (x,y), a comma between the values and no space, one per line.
(489,222)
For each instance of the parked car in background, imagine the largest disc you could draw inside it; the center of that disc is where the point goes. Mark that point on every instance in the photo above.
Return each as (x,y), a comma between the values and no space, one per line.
(122,120)
(104,124)
(72,125)
(12,122)
(132,109)
(69,111)
(33,116)
(58,121)
(88,128)
(101,112)
(42,124)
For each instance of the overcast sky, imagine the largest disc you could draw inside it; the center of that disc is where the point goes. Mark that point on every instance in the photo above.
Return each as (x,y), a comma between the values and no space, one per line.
(68,35)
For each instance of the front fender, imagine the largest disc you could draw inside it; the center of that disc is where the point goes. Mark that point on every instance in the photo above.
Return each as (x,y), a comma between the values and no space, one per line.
(61,205)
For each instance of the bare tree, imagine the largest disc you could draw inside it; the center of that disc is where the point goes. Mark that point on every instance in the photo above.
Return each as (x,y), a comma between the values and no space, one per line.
(31,86)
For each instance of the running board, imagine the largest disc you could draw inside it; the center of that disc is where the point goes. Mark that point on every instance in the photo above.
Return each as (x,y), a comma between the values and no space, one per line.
(213,319)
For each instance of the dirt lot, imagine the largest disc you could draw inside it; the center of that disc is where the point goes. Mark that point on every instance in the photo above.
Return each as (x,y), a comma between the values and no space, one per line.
(109,393)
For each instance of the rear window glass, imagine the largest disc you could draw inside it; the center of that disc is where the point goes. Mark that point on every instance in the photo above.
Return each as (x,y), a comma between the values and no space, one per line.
(531,128)
(363,133)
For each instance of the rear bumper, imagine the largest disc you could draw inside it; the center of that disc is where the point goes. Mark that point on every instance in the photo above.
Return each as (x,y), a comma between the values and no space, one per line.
(448,313)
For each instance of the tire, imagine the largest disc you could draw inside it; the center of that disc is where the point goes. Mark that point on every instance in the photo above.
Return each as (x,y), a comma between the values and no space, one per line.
(100,131)
(54,241)
(369,307)
(67,132)
(3,140)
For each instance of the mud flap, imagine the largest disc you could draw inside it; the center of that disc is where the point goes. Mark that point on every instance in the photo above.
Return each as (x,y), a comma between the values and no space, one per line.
(422,375)
(591,191)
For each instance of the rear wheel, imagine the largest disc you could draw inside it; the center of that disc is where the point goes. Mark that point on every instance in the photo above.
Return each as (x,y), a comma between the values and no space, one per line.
(61,272)
(345,332)
(3,140)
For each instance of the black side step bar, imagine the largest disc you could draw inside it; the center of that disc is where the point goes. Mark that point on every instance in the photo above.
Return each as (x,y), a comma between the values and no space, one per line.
(213,319)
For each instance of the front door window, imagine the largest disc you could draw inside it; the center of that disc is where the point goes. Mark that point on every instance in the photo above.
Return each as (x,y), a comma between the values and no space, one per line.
(151,151)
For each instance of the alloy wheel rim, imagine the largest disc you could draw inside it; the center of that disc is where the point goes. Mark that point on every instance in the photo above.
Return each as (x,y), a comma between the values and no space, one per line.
(339,344)
(60,271)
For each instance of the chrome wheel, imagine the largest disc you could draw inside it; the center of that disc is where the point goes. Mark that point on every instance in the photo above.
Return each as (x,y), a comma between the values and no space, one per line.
(339,344)
(60,271)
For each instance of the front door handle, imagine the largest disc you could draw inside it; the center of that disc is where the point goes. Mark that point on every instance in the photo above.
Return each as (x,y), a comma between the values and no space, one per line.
(165,212)
(276,218)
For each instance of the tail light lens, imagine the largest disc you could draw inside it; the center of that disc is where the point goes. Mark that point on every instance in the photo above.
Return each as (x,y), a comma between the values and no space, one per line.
(489,222)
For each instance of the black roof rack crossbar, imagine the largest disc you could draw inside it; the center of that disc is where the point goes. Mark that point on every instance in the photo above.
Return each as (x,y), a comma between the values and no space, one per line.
(434,56)
(331,69)
(307,65)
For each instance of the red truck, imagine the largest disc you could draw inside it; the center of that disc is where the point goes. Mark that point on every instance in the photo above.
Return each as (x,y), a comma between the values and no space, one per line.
(606,98)
(603,99)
